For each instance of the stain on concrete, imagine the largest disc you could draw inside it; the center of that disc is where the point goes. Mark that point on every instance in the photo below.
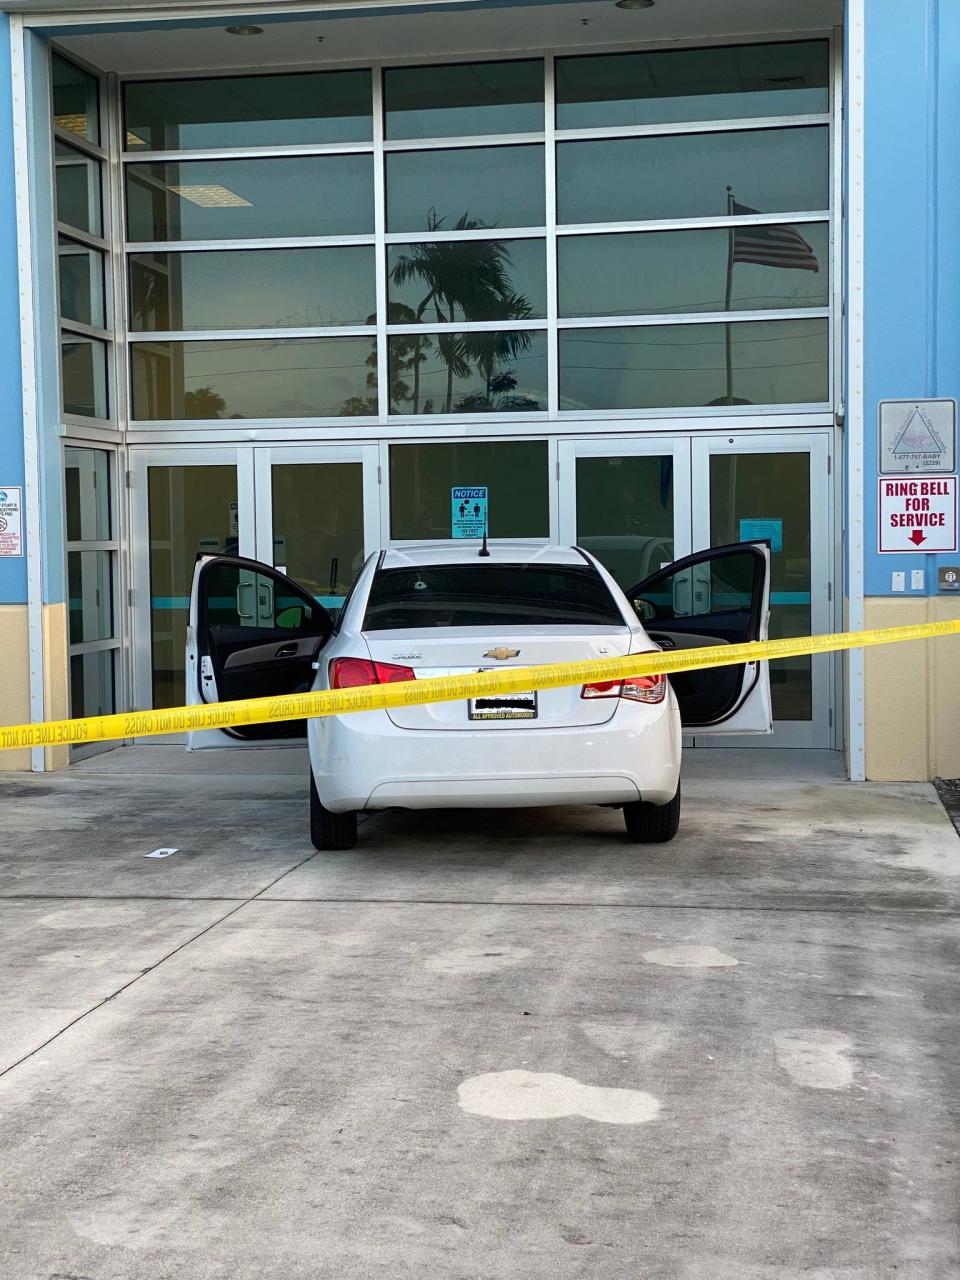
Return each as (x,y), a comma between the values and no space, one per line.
(530,1095)
(93,915)
(690,957)
(640,1041)
(815,1057)
(478,960)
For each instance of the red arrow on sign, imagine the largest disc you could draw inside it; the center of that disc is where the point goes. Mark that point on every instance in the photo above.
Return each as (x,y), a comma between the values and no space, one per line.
(917,537)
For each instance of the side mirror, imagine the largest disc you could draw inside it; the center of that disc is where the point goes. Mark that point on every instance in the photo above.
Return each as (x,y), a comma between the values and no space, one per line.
(645,610)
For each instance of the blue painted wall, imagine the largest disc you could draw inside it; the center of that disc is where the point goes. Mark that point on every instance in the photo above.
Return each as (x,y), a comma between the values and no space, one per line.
(13,573)
(912,233)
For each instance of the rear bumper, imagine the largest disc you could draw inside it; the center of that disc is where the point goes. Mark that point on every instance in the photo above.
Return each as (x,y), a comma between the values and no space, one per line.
(365,762)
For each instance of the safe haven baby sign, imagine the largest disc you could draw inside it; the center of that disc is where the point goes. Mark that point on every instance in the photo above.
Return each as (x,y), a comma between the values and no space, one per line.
(918,514)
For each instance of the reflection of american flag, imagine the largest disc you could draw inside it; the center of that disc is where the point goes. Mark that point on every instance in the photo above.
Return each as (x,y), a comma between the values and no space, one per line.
(771,246)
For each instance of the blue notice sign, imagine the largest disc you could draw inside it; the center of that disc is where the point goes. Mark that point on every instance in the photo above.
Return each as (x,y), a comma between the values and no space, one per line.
(468,514)
(763,529)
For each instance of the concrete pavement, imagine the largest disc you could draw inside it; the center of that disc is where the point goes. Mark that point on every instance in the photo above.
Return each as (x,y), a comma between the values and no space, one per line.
(503,1044)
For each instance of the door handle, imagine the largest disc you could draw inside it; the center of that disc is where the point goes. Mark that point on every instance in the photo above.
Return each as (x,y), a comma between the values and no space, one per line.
(287,651)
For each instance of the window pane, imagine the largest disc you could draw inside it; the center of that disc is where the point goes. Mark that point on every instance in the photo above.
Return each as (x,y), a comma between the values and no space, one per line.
(741,486)
(470,187)
(660,86)
(192,509)
(249,111)
(625,513)
(81,283)
(318,526)
(656,272)
(492,372)
(693,175)
(466,280)
(78,189)
(90,587)
(92,684)
(472,98)
(87,484)
(83,364)
(515,473)
(75,93)
(252,289)
(663,366)
(236,199)
(286,378)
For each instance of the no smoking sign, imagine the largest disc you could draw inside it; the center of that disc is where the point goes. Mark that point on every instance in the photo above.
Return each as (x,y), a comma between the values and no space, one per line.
(918,515)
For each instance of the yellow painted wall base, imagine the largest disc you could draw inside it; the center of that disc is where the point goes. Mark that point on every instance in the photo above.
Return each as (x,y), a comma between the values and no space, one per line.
(56,687)
(912,695)
(14,679)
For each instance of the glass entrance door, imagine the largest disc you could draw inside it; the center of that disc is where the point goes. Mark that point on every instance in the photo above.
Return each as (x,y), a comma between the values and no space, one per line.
(748,487)
(627,502)
(636,504)
(310,511)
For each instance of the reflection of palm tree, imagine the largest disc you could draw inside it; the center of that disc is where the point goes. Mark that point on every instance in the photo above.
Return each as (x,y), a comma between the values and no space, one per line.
(469,278)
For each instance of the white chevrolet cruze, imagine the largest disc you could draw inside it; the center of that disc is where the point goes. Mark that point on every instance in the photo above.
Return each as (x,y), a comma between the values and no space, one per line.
(451,608)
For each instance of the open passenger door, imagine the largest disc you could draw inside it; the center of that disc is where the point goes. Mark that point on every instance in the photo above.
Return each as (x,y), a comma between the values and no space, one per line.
(719,596)
(253,633)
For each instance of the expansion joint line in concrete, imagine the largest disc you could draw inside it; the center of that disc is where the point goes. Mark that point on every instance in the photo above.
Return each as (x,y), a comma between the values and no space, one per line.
(240,904)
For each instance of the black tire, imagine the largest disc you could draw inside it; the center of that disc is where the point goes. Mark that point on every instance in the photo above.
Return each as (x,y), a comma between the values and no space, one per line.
(330,830)
(652,823)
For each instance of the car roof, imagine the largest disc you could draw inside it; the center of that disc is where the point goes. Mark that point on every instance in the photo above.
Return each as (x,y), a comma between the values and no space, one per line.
(468,552)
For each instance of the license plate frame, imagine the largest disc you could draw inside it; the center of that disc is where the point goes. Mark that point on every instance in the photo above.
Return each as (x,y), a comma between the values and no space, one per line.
(507,706)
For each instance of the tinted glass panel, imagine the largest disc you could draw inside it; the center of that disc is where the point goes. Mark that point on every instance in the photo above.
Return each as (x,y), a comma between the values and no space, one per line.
(492,372)
(693,175)
(663,271)
(469,187)
(234,597)
(471,98)
(745,487)
(249,111)
(252,288)
(466,280)
(514,472)
(726,584)
(78,189)
(87,485)
(90,586)
(75,93)
(777,362)
(192,509)
(285,378)
(83,365)
(660,86)
(234,199)
(91,684)
(81,283)
(501,595)
(318,526)
(625,513)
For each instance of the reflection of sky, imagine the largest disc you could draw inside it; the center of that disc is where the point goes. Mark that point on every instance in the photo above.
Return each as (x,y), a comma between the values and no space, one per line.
(310,377)
(529,367)
(687,175)
(288,196)
(278,287)
(499,186)
(658,272)
(663,367)
(424,102)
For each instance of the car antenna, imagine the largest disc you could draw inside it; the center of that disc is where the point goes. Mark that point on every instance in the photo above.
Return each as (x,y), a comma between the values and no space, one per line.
(484,549)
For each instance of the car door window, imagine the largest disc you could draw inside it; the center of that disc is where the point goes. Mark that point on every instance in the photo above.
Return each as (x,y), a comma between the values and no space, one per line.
(727,585)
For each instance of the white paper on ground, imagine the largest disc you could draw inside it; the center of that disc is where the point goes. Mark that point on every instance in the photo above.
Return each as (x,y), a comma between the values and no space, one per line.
(160,853)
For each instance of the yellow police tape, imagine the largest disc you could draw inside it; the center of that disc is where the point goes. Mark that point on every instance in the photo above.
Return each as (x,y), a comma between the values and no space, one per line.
(409,693)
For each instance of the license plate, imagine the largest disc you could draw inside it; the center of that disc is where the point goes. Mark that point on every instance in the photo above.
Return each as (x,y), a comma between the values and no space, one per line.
(505,706)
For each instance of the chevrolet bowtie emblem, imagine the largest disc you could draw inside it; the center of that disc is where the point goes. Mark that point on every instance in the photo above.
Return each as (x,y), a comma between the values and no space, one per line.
(501,653)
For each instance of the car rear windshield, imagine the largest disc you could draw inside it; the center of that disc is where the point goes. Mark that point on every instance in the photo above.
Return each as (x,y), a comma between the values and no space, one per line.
(468,595)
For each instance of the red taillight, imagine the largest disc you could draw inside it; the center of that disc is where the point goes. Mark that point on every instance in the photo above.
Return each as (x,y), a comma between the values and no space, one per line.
(351,673)
(636,688)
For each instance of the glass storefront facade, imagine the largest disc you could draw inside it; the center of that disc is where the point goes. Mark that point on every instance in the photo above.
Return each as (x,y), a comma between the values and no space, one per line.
(352,290)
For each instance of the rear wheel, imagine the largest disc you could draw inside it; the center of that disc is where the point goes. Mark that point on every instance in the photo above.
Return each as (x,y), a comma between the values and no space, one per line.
(652,823)
(330,830)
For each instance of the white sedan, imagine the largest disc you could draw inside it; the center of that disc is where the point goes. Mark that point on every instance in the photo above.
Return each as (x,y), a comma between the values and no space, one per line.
(450,608)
